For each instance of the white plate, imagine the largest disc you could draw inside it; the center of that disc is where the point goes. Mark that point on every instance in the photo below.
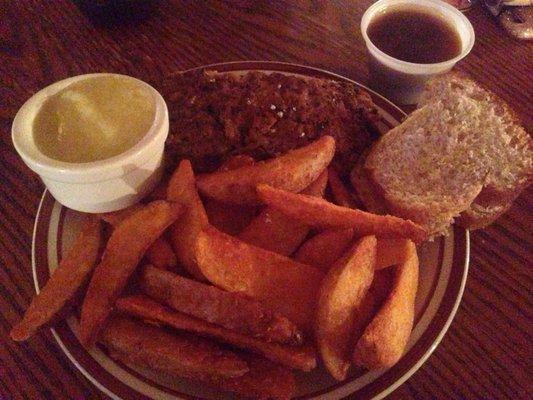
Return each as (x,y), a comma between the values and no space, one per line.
(443,272)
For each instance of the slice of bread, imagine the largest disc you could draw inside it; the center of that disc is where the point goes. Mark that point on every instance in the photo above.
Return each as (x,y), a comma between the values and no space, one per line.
(461,156)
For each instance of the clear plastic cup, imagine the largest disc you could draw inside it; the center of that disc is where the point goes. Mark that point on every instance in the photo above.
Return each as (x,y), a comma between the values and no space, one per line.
(402,81)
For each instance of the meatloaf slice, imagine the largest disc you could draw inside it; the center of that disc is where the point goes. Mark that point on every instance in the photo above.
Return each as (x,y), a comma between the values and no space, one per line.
(216,115)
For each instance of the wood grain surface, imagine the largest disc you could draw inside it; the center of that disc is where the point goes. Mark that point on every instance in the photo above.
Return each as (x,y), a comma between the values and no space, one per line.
(486,353)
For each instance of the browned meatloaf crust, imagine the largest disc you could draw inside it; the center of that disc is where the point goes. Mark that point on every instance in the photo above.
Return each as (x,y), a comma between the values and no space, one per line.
(214,116)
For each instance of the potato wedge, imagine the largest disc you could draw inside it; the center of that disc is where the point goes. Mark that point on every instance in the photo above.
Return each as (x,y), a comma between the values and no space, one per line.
(181,355)
(182,189)
(125,248)
(283,285)
(114,218)
(341,194)
(65,282)
(392,251)
(384,339)
(161,255)
(274,231)
(323,249)
(339,303)
(323,214)
(292,171)
(230,310)
(301,357)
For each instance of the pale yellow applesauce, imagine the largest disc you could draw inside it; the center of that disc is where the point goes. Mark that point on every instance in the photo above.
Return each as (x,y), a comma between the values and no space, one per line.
(94,119)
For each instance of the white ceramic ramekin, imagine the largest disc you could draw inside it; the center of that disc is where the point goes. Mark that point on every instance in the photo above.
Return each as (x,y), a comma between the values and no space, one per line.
(99,186)
(402,81)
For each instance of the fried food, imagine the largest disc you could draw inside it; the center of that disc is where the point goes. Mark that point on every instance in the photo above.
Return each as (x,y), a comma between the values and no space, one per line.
(274,231)
(301,357)
(283,285)
(385,338)
(339,305)
(125,248)
(161,255)
(230,310)
(177,354)
(292,171)
(65,282)
(340,192)
(182,189)
(114,218)
(392,251)
(323,214)
(323,249)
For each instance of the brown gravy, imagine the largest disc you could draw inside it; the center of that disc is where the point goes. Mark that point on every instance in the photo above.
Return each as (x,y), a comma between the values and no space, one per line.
(414,35)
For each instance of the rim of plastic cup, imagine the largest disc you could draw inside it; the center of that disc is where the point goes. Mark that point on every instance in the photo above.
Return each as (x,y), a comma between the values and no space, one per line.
(48,167)
(415,68)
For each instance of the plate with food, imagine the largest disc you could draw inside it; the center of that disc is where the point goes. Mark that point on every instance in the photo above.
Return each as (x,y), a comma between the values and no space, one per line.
(294,247)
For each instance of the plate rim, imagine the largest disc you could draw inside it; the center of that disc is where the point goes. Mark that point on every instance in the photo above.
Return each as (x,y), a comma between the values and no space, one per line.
(302,69)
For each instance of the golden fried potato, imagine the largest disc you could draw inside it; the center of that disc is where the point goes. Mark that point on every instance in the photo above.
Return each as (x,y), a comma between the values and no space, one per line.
(339,304)
(392,251)
(292,171)
(124,250)
(114,218)
(340,192)
(384,339)
(234,311)
(283,285)
(182,189)
(274,231)
(161,255)
(323,249)
(300,357)
(65,282)
(180,355)
(323,214)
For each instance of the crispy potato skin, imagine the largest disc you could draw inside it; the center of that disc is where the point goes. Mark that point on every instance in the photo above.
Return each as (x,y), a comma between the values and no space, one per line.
(183,233)
(326,247)
(178,354)
(293,171)
(383,341)
(65,282)
(114,218)
(234,311)
(182,355)
(283,285)
(393,251)
(274,231)
(301,357)
(124,250)
(339,305)
(323,214)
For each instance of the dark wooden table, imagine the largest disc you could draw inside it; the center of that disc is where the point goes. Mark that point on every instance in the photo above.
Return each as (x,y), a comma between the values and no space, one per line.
(486,353)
